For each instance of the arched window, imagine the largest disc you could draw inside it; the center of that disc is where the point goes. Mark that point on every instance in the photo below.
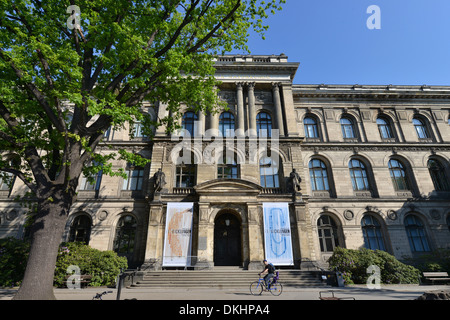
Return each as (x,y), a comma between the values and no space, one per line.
(373,237)
(328,233)
(268,173)
(264,125)
(188,123)
(125,237)
(186,174)
(311,128)
(421,128)
(437,173)
(398,175)
(417,237)
(229,168)
(80,230)
(385,129)
(348,128)
(318,175)
(358,174)
(227,124)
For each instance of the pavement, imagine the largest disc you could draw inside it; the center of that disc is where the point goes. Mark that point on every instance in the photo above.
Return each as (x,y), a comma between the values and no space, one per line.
(358,292)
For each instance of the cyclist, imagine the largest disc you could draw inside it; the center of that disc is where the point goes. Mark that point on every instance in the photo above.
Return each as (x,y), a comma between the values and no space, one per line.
(269,272)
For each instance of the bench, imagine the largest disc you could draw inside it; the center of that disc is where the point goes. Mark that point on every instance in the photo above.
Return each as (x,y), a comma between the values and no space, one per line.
(85,279)
(436,276)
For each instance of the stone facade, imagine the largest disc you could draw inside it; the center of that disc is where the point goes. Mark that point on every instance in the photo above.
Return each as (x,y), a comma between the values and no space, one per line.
(373,161)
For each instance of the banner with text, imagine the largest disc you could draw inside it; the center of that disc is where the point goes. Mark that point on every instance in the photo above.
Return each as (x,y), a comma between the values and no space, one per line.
(277,234)
(178,237)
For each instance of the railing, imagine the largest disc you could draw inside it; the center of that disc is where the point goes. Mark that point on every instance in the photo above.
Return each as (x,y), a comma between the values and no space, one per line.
(183,191)
(272,191)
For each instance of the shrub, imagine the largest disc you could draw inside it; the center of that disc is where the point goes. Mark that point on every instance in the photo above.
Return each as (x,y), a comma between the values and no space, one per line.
(103,266)
(438,260)
(13,261)
(353,265)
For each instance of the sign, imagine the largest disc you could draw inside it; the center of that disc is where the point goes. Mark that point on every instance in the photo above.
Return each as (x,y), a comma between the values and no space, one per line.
(178,236)
(277,234)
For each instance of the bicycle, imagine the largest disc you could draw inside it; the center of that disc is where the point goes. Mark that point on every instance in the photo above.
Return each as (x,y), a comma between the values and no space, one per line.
(98,296)
(257,287)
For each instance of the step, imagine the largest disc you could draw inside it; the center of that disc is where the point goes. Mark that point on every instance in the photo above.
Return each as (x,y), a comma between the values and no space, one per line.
(221,277)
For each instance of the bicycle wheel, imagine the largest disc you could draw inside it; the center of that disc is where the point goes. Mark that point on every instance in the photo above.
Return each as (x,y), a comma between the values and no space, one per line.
(276,289)
(256,288)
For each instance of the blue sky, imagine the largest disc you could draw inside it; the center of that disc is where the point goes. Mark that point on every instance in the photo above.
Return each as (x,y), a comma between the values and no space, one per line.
(331,40)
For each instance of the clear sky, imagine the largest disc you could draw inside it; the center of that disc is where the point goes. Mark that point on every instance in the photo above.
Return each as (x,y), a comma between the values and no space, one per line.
(331,40)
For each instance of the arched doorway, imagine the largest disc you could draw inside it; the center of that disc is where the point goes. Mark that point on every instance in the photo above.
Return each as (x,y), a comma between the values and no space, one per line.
(227,240)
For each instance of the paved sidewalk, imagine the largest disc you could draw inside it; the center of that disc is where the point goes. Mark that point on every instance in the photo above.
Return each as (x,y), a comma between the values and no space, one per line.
(359,292)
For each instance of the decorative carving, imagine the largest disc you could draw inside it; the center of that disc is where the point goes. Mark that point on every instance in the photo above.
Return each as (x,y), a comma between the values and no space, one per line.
(294,182)
(349,215)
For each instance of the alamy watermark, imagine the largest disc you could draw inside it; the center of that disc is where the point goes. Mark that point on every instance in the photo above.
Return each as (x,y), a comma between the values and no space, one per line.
(374,21)
(213,148)
(73,282)
(374,281)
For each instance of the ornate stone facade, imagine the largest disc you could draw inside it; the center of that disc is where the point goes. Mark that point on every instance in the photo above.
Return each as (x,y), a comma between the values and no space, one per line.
(373,162)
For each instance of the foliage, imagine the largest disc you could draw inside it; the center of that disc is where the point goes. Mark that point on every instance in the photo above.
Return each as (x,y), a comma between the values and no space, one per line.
(438,260)
(103,266)
(13,257)
(353,265)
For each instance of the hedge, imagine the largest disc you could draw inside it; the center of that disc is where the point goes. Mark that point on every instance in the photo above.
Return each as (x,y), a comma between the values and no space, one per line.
(104,266)
(353,265)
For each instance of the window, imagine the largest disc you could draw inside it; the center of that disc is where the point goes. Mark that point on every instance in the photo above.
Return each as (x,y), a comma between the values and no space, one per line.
(268,173)
(226,124)
(348,129)
(417,237)
(373,238)
(188,123)
(311,129)
(228,169)
(328,233)
(264,125)
(6,181)
(437,173)
(186,174)
(319,176)
(80,230)
(94,185)
(125,237)
(421,128)
(398,175)
(358,175)
(138,128)
(385,129)
(448,222)
(134,179)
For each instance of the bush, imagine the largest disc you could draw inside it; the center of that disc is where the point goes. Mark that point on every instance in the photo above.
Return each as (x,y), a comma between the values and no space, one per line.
(438,260)
(13,261)
(353,265)
(103,266)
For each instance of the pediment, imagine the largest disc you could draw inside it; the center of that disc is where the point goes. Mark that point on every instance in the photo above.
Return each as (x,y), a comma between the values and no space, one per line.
(228,186)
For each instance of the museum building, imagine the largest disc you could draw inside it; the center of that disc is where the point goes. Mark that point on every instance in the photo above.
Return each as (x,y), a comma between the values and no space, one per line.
(286,172)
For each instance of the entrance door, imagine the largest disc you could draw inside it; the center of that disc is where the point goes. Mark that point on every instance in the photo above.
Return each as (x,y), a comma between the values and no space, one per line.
(227,241)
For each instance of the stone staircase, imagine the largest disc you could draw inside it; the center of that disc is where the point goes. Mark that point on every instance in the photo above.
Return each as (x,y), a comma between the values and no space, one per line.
(221,277)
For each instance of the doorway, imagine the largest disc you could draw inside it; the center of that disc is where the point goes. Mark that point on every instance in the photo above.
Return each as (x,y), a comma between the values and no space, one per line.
(227,240)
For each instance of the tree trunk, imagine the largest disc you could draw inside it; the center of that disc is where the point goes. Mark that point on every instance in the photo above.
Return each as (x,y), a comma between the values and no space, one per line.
(46,235)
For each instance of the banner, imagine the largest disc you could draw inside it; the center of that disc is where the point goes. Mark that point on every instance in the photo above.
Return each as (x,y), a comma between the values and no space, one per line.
(277,234)
(178,236)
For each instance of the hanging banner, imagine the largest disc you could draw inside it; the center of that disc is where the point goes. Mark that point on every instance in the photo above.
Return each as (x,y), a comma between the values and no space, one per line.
(178,237)
(277,234)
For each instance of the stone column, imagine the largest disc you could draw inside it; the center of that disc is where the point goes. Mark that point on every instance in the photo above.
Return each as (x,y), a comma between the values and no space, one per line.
(251,109)
(277,104)
(201,124)
(214,123)
(240,130)
(162,113)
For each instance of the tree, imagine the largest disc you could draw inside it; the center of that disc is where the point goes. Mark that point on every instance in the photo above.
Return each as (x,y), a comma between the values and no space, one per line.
(70,70)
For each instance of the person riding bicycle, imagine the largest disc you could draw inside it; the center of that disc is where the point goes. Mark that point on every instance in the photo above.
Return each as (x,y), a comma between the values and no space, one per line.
(269,272)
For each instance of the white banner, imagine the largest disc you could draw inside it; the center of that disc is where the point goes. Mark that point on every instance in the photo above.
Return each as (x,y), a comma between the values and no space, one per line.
(277,234)
(178,237)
